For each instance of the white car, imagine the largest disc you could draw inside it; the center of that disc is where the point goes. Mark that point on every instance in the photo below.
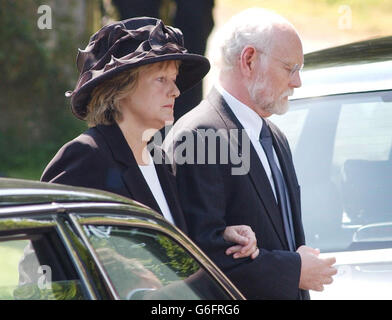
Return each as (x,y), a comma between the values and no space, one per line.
(339,126)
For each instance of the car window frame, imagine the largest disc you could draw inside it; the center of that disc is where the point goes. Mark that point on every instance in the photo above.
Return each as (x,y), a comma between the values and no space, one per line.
(90,279)
(121,215)
(53,250)
(91,273)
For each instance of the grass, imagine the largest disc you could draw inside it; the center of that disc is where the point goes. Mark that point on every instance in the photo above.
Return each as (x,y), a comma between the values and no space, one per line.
(10,252)
(29,173)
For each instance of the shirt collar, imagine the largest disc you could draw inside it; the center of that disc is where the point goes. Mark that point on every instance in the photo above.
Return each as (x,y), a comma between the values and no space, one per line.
(249,119)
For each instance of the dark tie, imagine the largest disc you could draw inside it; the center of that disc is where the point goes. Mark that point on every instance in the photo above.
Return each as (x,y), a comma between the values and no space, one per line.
(280,187)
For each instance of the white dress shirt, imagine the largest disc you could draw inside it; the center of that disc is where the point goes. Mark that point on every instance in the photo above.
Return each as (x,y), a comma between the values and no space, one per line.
(253,124)
(151,177)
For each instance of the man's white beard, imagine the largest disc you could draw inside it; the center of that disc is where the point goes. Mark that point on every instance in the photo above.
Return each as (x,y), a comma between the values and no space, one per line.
(263,99)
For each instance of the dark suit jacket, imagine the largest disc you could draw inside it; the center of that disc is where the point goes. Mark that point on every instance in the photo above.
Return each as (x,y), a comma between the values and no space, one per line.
(212,198)
(100,158)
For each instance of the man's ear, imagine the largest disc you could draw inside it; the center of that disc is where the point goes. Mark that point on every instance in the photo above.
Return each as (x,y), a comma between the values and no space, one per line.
(248,60)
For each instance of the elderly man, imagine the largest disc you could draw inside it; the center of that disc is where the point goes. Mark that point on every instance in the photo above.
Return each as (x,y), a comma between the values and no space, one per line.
(261,59)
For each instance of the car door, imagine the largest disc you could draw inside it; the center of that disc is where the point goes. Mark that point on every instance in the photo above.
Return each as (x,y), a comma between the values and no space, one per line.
(36,263)
(342,151)
(143,258)
(101,251)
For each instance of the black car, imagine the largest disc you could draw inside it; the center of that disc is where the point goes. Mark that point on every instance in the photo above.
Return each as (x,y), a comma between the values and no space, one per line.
(339,126)
(61,242)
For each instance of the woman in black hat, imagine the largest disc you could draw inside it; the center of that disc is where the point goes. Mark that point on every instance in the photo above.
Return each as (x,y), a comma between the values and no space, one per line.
(131,72)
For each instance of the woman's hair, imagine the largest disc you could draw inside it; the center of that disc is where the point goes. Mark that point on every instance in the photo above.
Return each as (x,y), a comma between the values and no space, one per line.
(104,107)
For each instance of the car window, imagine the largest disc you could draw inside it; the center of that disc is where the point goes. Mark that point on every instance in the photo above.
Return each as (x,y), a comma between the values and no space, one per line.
(30,268)
(293,124)
(11,253)
(343,159)
(364,131)
(146,264)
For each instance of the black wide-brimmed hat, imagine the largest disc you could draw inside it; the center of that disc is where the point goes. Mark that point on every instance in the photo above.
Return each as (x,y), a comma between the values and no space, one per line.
(127,44)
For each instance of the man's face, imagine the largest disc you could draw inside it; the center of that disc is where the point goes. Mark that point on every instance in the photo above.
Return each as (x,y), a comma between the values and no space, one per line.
(273,81)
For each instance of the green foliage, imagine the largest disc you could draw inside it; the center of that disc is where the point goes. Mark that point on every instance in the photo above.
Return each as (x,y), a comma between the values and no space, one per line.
(179,260)
(64,290)
(127,250)
(11,253)
(37,67)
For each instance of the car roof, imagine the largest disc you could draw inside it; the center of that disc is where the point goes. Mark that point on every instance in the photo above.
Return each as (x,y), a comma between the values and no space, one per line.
(355,67)
(19,192)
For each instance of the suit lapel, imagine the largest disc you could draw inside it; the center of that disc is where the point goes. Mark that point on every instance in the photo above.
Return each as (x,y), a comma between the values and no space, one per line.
(257,173)
(168,184)
(139,188)
(132,176)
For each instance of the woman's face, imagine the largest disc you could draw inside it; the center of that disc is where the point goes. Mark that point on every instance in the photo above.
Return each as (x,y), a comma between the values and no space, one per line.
(150,104)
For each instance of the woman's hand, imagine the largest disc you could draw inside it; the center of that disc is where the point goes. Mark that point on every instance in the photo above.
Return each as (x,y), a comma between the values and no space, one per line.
(246,239)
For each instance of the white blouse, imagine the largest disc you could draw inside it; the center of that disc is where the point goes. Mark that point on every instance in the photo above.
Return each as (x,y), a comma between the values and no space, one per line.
(151,177)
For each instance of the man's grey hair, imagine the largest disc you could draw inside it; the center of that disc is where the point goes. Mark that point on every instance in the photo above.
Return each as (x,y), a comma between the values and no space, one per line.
(252,27)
